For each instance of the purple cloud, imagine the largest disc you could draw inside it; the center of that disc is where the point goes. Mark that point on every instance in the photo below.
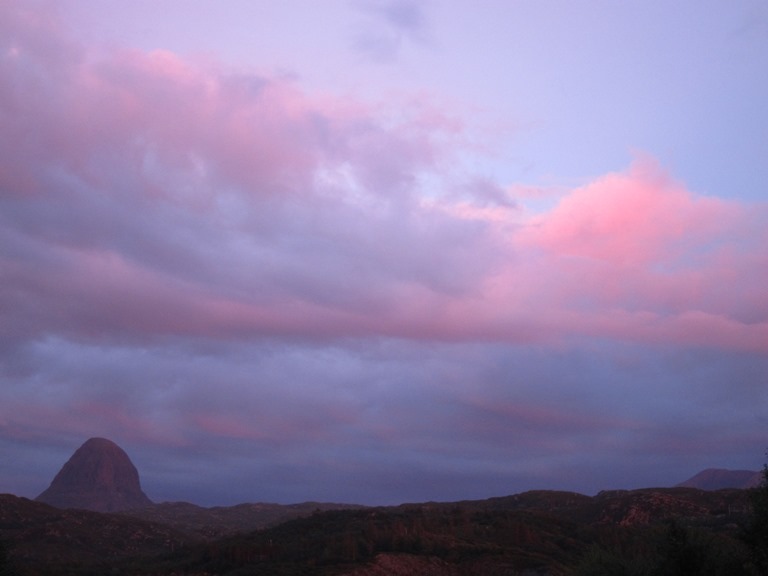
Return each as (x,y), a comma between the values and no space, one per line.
(291,296)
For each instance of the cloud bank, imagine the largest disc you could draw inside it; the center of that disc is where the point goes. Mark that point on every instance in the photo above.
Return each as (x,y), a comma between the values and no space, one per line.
(222,265)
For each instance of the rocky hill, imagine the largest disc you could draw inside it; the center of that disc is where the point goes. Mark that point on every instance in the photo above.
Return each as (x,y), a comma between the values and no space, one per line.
(536,533)
(41,539)
(100,477)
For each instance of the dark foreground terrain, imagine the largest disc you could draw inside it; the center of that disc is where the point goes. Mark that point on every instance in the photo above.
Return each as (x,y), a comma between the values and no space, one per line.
(664,531)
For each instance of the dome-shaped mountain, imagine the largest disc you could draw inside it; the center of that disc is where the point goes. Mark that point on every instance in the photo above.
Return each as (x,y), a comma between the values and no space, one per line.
(99,476)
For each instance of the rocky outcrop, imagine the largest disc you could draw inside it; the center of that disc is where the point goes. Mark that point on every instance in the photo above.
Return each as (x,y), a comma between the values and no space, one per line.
(405,565)
(99,476)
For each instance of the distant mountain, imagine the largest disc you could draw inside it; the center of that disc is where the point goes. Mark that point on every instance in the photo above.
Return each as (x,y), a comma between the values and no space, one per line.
(100,477)
(718,478)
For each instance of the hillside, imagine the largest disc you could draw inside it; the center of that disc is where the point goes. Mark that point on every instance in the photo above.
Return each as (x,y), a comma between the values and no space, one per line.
(220,521)
(41,539)
(537,532)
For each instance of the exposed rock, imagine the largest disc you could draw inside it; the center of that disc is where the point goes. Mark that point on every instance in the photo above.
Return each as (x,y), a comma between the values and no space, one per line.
(644,508)
(405,565)
(99,476)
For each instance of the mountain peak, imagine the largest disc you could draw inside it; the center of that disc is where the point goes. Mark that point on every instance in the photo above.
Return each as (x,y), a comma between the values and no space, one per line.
(99,476)
(717,478)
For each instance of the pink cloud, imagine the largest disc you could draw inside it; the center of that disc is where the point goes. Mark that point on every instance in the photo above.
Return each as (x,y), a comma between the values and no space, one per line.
(146,195)
(638,256)
(637,218)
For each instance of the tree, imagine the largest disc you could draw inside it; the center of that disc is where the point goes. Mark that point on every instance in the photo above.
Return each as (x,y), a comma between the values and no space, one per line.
(756,534)
(5,563)
(601,562)
(687,551)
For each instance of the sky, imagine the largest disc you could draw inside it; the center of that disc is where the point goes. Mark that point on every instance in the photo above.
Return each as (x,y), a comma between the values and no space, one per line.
(384,251)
